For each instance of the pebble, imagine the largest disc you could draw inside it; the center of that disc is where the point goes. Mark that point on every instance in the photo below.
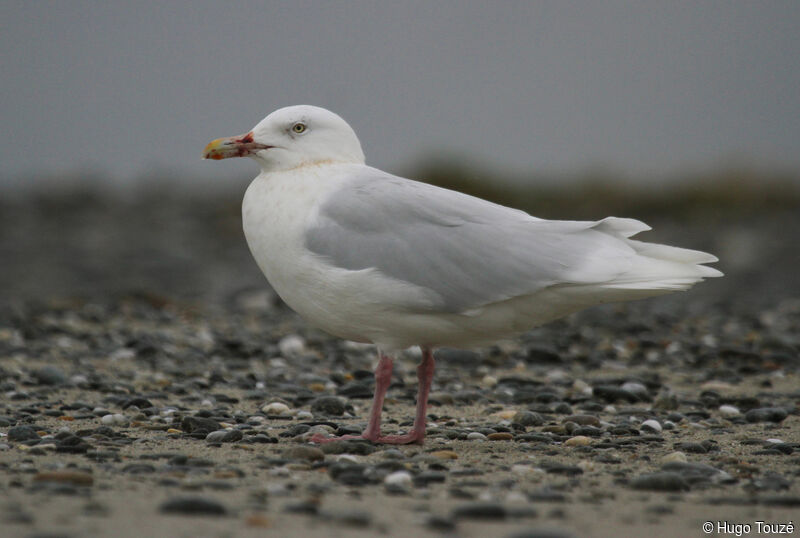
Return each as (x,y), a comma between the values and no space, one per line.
(328,406)
(729,411)
(444,454)
(476,436)
(308,453)
(276,409)
(225,436)
(766,414)
(50,375)
(77,478)
(578,440)
(22,433)
(527,418)
(583,420)
(398,482)
(652,425)
(291,345)
(115,419)
(500,436)
(662,481)
(675,456)
(199,425)
(193,506)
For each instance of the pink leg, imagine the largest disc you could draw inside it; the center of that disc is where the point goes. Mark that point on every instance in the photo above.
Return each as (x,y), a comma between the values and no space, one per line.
(425,377)
(383,376)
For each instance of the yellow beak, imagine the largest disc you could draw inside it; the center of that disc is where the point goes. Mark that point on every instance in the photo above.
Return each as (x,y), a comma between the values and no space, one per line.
(232,146)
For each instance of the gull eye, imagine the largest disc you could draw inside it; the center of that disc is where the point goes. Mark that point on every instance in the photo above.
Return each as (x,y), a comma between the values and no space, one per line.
(299,128)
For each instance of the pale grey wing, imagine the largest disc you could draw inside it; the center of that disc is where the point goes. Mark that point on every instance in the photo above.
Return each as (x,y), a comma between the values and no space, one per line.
(466,251)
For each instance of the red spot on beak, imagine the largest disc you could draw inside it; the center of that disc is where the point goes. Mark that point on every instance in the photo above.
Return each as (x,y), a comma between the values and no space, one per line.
(246,139)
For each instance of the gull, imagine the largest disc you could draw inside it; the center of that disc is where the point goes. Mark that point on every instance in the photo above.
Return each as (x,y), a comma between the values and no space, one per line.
(372,257)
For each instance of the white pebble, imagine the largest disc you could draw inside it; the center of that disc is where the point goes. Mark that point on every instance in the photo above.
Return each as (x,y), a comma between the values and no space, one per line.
(775,441)
(651,425)
(729,411)
(476,436)
(399,479)
(115,419)
(276,408)
(634,388)
(304,415)
(349,458)
(675,456)
(291,345)
(489,381)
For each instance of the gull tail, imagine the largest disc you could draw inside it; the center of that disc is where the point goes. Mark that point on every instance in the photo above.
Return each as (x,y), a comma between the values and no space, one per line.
(654,267)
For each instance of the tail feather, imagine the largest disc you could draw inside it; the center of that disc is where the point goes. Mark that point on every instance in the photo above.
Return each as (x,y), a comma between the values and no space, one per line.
(656,267)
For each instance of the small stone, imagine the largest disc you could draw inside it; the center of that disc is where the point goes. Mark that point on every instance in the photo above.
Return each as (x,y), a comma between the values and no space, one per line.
(527,418)
(634,387)
(445,455)
(766,414)
(328,406)
(583,420)
(115,419)
(489,381)
(675,456)
(663,481)
(199,425)
(476,436)
(225,436)
(22,433)
(193,506)
(76,478)
(578,440)
(691,447)
(483,510)
(50,375)
(307,453)
(729,411)
(398,482)
(276,409)
(291,345)
(651,425)
(500,436)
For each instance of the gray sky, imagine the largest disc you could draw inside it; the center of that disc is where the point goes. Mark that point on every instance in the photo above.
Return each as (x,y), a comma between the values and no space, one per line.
(126,88)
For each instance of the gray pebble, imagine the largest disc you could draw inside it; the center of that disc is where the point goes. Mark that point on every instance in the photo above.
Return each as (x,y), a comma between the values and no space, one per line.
(663,481)
(50,375)
(328,406)
(766,414)
(224,436)
(193,506)
(528,418)
(22,433)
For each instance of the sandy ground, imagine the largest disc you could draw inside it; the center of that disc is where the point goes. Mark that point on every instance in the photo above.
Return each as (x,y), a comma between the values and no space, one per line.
(169,307)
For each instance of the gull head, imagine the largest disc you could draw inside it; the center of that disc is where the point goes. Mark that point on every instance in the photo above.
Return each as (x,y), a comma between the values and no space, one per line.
(292,137)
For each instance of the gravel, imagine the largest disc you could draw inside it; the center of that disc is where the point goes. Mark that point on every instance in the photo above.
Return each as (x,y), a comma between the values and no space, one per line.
(183,388)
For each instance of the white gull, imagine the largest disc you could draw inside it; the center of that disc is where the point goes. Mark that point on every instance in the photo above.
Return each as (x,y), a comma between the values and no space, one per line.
(373,257)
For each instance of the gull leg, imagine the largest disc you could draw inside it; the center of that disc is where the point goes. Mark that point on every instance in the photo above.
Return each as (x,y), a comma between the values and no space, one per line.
(383,378)
(425,377)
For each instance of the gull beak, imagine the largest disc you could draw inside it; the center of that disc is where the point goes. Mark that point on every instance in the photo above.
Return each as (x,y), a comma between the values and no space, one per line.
(233,146)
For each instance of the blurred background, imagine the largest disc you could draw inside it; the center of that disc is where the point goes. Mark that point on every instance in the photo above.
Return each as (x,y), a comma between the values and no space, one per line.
(684,115)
